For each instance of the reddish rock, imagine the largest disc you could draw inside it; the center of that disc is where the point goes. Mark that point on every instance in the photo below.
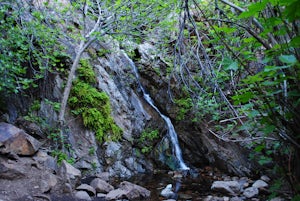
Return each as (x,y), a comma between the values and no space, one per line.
(15,140)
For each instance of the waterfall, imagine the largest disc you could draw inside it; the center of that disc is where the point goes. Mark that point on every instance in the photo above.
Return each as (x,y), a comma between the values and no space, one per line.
(171,130)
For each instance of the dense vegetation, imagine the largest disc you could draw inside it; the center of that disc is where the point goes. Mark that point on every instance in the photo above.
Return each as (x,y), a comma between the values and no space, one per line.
(237,63)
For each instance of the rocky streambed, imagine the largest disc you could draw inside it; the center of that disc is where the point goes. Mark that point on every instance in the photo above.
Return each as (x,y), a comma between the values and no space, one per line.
(29,173)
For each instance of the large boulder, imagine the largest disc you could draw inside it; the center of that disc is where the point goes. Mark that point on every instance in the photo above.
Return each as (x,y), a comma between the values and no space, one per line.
(15,140)
(69,174)
(128,191)
(101,186)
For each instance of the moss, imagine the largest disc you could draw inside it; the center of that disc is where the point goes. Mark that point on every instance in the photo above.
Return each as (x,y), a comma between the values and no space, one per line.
(85,72)
(93,106)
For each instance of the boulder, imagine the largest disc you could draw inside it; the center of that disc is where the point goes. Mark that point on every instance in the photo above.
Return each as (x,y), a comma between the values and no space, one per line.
(167,192)
(128,191)
(116,194)
(229,187)
(83,195)
(70,173)
(84,187)
(15,140)
(131,189)
(260,184)
(10,171)
(250,192)
(101,186)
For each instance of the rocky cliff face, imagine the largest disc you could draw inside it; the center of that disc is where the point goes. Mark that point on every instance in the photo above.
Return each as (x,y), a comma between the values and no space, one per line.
(133,115)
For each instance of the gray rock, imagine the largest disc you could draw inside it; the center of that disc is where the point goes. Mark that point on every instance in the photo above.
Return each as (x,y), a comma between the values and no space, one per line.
(260,184)
(250,192)
(134,191)
(15,140)
(70,173)
(229,187)
(48,182)
(69,170)
(101,195)
(103,175)
(89,189)
(101,186)
(116,194)
(10,171)
(82,195)
(236,199)
(265,178)
(167,192)
(48,161)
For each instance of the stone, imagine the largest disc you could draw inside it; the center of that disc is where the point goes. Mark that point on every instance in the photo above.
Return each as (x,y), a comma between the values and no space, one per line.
(70,173)
(10,171)
(167,192)
(101,186)
(260,184)
(229,187)
(103,175)
(265,178)
(134,191)
(47,182)
(89,189)
(250,192)
(115,194)
(15,140)
(48,161)
(82,195)
(101,195)
(236,199)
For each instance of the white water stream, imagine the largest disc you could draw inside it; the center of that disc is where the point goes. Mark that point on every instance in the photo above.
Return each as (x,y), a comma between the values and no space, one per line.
(171,131)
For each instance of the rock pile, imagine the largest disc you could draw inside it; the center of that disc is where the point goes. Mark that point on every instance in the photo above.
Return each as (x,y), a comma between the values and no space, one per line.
(29,173)
(239,189)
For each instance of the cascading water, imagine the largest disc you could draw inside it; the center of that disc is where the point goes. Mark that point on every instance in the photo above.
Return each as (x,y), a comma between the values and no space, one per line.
(171,131)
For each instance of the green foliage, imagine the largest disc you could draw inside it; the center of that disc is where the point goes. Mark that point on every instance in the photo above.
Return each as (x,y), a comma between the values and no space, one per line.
(93,106)
(61,156)
(92,151)
(185,105)
(147,137)
(28,50)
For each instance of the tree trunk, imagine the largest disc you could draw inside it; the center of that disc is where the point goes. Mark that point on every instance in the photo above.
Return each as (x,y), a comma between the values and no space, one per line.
(67,89)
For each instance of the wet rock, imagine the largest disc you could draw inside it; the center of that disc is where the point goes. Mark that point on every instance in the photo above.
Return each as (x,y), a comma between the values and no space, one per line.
(101,186)
(89,189)
(250,192)
(167,192)
(15,140)
(260,184)
(229,187)
(82,195)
